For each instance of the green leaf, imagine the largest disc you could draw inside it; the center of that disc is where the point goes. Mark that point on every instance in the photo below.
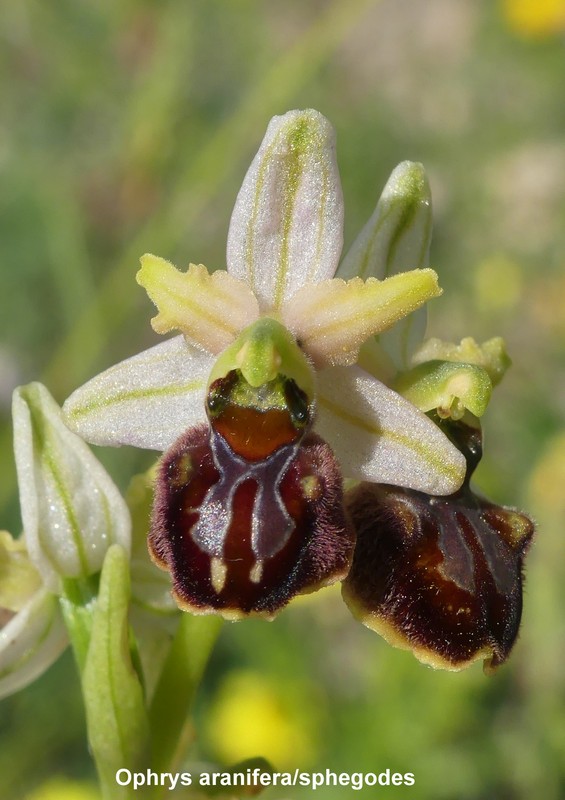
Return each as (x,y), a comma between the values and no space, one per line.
(180,678)
(78,602)
(118,726)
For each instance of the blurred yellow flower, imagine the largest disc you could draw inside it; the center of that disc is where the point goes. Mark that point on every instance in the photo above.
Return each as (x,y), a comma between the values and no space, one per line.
(63,789)
(535,17)
(545,488)
(498,284)
(252,717)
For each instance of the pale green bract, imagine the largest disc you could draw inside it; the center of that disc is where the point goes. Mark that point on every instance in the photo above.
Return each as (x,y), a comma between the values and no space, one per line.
(72,513)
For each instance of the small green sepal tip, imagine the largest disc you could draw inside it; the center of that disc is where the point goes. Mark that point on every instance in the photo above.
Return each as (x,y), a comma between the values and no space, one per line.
(446,387)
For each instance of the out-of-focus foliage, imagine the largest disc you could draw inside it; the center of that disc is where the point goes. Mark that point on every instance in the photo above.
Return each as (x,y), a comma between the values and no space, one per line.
(127,127)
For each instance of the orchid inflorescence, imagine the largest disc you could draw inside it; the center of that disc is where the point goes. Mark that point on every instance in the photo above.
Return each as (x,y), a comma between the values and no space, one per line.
(291,371)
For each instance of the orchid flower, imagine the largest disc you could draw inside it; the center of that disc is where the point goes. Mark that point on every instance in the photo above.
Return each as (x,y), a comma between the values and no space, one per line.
(440,576)
(260,403)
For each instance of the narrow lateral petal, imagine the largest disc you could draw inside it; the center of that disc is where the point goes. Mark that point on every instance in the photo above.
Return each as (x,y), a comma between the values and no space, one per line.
(396,238)
(331,320)
(287,225)
(71,509)
(30,642)
(379,436)
(146,401)
(209,309)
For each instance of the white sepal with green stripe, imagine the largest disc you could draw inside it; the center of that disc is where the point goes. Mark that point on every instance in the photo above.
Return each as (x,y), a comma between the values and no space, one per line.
(145,401)
(379,436)
(396,238)
(71,510)
(286,228)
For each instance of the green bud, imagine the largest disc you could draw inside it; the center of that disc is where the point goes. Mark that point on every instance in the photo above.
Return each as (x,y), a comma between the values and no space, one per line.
(71,510)
(491,355)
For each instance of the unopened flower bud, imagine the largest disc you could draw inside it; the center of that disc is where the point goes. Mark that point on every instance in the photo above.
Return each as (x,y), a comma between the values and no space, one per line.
(71,510)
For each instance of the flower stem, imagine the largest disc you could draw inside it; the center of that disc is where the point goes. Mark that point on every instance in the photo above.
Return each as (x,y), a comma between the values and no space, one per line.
(180,678)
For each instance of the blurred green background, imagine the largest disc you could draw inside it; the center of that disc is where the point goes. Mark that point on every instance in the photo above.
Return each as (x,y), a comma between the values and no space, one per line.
(127,127)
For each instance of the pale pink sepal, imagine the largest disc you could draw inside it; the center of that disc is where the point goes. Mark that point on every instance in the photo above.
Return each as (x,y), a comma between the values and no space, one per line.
(145,401)
(396,238)
(286,228)
(380,437)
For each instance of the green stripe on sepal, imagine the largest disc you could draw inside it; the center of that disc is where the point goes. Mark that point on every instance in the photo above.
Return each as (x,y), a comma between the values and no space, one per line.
(287,224)
(448,387)
(396,238)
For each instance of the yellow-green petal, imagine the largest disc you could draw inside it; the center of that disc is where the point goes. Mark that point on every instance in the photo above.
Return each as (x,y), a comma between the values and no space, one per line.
(209,309)
(332,319)
(19,579)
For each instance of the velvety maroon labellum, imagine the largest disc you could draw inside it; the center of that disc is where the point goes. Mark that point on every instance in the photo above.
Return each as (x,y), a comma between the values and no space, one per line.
(249,510)
(441,576)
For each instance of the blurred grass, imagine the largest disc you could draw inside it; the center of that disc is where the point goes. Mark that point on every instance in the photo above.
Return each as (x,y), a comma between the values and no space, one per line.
(127,127)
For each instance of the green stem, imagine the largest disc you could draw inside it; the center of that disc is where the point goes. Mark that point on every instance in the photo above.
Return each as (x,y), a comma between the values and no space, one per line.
(77,604)
(180,678)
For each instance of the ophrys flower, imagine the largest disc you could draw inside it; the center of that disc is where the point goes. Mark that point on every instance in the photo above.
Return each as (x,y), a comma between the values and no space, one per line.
(260,399)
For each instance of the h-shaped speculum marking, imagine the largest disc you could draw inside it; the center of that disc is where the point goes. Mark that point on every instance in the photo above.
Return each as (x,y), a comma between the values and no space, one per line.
(271,524)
